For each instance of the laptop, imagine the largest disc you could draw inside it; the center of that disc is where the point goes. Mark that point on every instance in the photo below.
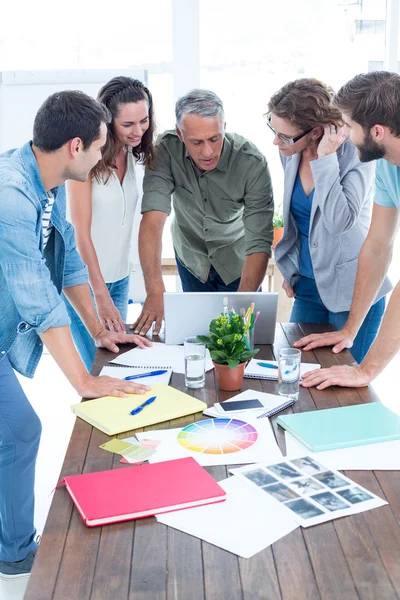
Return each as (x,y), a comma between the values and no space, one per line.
(188,314)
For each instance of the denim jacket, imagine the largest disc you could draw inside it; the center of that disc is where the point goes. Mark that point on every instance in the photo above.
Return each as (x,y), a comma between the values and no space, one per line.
(31,280)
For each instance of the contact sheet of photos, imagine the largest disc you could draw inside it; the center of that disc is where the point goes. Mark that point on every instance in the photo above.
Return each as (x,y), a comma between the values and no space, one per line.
(313,493)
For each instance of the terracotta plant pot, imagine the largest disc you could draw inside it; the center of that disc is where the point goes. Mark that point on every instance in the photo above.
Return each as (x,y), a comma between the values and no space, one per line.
(278,233)
(229,379)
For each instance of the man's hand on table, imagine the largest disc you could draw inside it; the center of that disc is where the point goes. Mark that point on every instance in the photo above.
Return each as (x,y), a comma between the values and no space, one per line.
(338,339)
(110,339)
(153,310)
(342,375)
(96,387)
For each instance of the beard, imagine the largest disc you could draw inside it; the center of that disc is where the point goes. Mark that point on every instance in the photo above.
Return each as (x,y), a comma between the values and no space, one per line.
(370,150)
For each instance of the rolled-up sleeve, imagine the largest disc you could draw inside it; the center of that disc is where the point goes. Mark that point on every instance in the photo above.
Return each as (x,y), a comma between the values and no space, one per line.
(158,183)
(27,276)
(75,271)
(258,209)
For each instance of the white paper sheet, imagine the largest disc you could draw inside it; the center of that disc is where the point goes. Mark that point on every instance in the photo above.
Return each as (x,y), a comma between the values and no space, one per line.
(244,524)
(371,457)
(122,372)
(264,448)
(158,355)
(309,490)
(270,401)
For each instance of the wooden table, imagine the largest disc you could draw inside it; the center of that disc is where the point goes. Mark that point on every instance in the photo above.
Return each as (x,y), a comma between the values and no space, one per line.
(355,557)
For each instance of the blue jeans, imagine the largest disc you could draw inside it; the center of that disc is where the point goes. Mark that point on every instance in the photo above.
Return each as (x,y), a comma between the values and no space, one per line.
(308,308)
(214,283)
(119,292)
(20,430)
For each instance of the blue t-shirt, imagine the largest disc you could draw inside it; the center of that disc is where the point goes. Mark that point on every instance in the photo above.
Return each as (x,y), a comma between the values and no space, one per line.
(387,181)
(300,207)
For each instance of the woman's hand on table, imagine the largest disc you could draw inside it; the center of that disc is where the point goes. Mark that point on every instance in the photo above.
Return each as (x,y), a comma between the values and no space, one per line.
(342,375)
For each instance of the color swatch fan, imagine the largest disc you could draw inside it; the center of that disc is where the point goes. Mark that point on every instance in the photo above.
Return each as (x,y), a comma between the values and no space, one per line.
(220,441)
(218,436)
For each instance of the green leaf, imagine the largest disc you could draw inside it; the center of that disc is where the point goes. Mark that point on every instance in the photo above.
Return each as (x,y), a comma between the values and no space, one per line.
(248,354)
(204,339)
(218,355)
(232,363)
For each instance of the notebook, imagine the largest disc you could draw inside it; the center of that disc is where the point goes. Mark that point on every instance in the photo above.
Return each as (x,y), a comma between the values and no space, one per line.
(158,354)
(343,427)
(112,415)
(122,371)
(108,497)
(255,371)
(272,404)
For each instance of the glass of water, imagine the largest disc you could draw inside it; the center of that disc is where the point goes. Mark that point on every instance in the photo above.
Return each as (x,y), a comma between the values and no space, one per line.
(289,372)
(195,363)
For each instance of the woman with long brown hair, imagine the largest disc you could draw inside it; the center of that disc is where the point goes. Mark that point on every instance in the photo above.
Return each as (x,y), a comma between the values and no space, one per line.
(102,209)
(326,209)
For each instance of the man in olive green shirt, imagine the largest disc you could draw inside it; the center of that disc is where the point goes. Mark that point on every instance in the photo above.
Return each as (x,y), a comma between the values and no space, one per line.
(223,204)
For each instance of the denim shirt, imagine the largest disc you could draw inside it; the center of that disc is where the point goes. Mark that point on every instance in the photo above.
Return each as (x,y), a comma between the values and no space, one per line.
(31,280)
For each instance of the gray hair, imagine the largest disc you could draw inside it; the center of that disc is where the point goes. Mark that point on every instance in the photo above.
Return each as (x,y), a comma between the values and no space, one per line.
(198,102)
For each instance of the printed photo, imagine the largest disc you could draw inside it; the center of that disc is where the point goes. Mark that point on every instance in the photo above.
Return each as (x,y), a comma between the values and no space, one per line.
(284,471)
(260,477)
(306,486)
(308,464)
(330,501)
(281,492)
(304,509)
(355,495)
(331,480)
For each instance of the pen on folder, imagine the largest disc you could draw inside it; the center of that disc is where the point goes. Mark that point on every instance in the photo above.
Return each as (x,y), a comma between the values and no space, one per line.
(138,409)
(149,374)
(267,365)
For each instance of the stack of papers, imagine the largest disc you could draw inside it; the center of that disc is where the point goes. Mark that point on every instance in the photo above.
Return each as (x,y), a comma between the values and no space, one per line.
(159,354)
(371,457)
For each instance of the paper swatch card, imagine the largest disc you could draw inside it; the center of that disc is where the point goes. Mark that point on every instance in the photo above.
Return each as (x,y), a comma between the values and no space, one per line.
(309,490)
(224,441)
(158,354)
(256,370)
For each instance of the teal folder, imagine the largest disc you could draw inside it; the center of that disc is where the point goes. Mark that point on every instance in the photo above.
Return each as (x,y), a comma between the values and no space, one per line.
(343,427)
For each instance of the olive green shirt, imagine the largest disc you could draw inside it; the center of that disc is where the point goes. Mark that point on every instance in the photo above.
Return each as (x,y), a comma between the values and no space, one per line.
(220,215)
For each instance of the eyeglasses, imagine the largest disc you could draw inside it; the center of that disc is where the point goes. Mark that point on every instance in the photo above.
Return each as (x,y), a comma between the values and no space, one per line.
(285,139)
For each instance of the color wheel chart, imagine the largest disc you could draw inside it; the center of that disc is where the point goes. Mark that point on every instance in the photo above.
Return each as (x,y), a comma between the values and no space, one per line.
(218,436)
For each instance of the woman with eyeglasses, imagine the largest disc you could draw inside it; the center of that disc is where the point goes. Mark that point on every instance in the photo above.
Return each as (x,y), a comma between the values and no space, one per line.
(326,209)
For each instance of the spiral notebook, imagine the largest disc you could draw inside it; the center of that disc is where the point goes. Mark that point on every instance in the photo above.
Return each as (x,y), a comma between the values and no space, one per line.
(254,370)
(272,404)
(122,371)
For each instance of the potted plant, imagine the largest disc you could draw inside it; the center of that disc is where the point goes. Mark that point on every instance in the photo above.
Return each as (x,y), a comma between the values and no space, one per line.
(278,226)
(228,349)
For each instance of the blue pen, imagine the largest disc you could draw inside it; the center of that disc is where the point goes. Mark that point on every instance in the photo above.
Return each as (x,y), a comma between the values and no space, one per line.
(267,365)
(149,374)
(138,409)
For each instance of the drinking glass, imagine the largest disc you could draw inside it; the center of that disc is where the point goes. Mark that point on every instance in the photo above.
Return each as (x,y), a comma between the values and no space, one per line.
(289,372)
(195,363)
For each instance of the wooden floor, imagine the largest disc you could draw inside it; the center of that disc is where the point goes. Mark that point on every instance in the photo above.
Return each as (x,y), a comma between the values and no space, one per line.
(349,558)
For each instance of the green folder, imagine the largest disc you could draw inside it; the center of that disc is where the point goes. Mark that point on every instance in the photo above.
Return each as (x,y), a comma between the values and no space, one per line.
(343,427)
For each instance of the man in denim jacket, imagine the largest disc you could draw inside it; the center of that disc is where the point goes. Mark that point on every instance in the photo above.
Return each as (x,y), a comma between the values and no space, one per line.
(39,260)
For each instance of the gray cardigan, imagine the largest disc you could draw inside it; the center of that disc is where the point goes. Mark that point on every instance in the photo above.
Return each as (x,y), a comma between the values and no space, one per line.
(339,223)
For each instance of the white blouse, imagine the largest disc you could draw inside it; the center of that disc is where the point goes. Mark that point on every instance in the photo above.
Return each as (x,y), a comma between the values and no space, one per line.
(113,211)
